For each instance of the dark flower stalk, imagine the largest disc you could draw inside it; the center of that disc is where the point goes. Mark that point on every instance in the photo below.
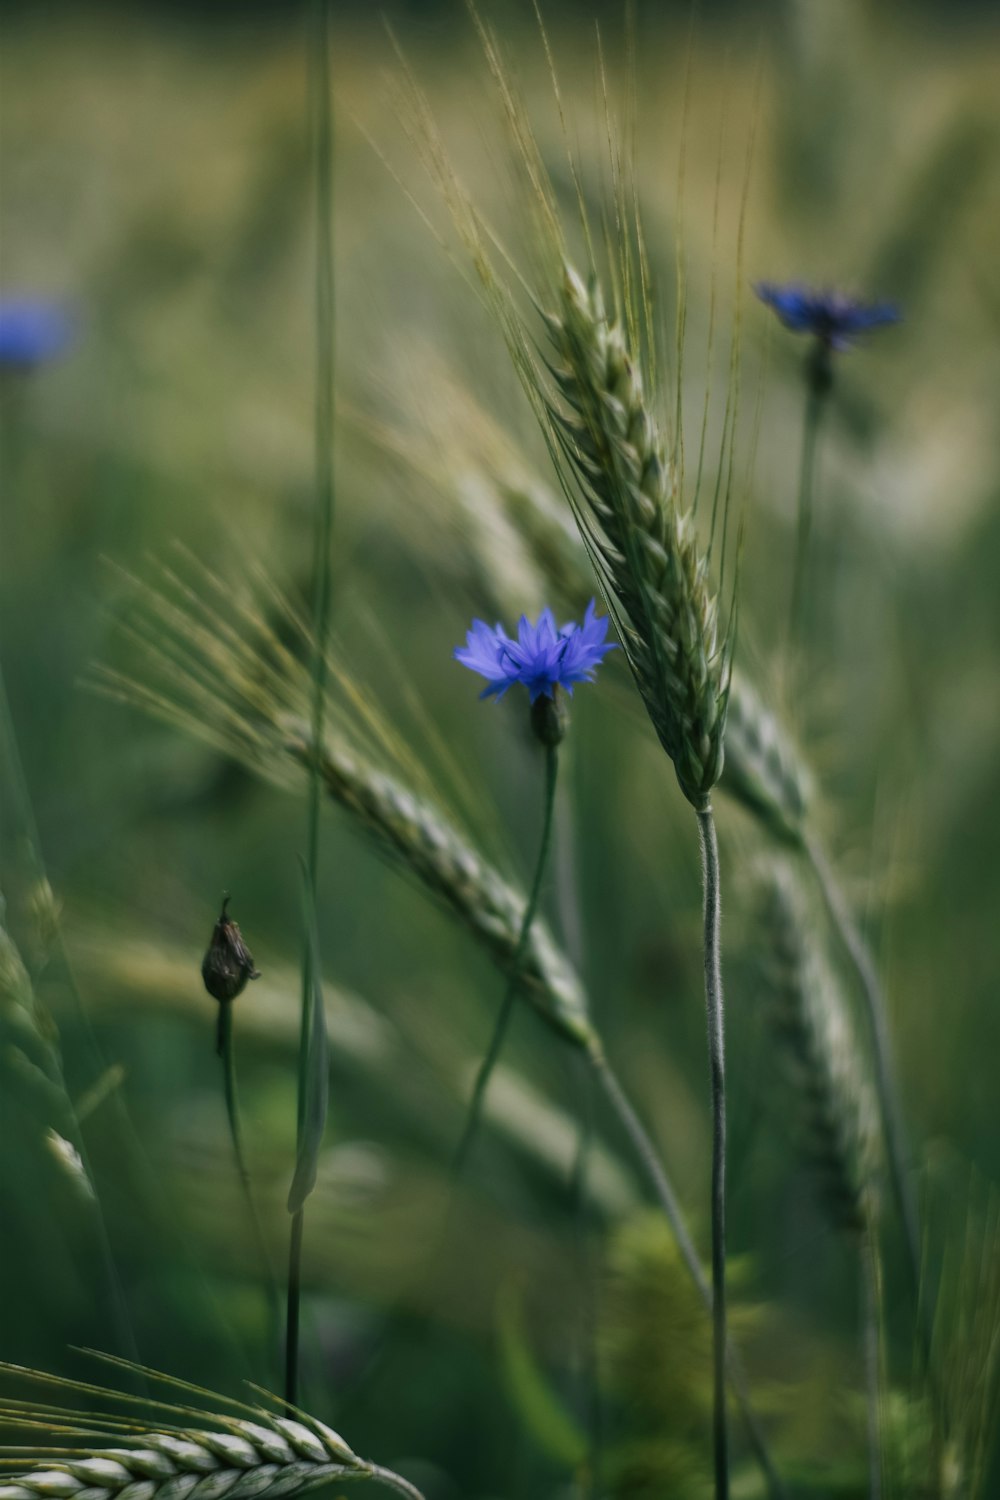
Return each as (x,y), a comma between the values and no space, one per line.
(546,660)
(227,968)
(816,392)
(322,147)
(834,321)
(492,1055)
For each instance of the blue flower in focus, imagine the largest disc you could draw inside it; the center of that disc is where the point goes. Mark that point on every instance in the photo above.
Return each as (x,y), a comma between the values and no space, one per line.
(835,319)
(543,657)
(32,331)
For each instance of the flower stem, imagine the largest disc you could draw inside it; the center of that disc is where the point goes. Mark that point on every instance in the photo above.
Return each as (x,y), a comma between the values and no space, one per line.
(589,1478)
(322,127)
(870,1279)
(815,403)
(647,1154)
(717,1066)
(292,1311)
(667,1198)
(503,1019)
(227,1052)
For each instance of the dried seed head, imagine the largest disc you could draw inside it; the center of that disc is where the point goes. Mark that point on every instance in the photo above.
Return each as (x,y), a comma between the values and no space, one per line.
(228,964)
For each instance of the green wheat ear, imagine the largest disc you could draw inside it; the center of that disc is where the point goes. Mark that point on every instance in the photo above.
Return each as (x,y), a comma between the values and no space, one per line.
(509,532)
(168,1450)
(644,546)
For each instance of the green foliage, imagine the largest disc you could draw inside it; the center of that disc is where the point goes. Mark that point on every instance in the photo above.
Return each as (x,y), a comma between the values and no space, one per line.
(156,178)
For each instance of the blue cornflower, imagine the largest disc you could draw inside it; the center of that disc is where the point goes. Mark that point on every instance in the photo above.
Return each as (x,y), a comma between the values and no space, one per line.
(833,317)
(543,657)
(32,330)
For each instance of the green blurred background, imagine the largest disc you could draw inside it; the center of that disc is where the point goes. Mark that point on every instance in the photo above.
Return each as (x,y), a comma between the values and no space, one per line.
(155,179)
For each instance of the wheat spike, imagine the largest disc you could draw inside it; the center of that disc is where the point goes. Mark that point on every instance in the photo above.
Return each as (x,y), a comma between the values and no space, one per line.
(644,547)
(510,532)
(422,839)
(825,1068)
(237,1458)
(763,769)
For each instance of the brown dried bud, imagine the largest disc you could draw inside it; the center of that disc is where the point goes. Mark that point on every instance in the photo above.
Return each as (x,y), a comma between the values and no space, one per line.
(228,964)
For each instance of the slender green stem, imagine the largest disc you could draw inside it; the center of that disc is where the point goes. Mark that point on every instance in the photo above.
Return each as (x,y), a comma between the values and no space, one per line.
(589,1282)
(322,125)
(499,1031)
(647,1154)
(815,402)
(717,1068)
(870,1350)
(667,1199)
(227,1051)
(568,907)
(293,1309)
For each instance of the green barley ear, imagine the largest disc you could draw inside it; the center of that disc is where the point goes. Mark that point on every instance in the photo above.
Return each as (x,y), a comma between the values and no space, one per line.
(824,1067)
(643,545)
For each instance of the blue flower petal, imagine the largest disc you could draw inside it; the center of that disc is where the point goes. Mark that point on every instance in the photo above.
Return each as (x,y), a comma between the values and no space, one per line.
(32,331)
(832,317)
(543,657)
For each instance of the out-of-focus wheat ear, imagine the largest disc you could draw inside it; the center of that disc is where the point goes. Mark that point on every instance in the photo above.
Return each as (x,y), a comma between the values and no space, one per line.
(839,1137)
(763,769)
(897,1150)
(823,1065)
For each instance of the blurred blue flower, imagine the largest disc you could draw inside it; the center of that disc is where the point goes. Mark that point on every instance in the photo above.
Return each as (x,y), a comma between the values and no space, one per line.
(32,331)
(543,657)
(834,318)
